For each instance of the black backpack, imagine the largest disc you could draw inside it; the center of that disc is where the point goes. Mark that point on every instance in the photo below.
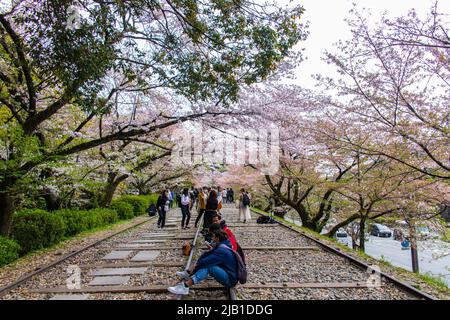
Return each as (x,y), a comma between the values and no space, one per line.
(245,199)
(241,267)
(265,220)
(151,210)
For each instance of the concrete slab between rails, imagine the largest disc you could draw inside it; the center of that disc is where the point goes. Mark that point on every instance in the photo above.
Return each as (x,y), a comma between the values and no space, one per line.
(117,255)
(147,255)
(135,265)
(148,241)
(117,271)
(70,297)
(109,281)
(157,235)
(209,287)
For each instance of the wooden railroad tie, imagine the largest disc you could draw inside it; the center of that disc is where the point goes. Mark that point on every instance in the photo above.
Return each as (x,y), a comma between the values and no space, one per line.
(205,287)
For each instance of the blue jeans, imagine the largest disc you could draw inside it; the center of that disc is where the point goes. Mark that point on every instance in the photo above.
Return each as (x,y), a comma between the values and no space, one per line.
(216,272)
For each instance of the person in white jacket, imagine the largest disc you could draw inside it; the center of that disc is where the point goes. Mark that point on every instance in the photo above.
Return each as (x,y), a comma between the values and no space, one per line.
(185,208)
(244,206)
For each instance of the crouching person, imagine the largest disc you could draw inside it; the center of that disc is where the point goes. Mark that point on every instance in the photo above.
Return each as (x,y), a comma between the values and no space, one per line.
(219,262)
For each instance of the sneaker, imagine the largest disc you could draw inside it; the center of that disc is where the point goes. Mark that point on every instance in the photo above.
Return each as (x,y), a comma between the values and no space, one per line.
(179,289)
(183,274)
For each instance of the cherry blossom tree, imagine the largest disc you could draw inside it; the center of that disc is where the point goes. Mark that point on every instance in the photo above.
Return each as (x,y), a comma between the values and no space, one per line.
(203,51)
(394,79)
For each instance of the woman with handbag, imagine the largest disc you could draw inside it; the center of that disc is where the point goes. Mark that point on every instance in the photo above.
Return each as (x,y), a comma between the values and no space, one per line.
(163,206)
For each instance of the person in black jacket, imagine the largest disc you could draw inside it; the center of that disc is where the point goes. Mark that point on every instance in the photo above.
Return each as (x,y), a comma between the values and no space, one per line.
(211,208)
(163,206)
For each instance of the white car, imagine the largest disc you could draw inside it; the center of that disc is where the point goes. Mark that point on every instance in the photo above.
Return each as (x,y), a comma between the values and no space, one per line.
(341,236)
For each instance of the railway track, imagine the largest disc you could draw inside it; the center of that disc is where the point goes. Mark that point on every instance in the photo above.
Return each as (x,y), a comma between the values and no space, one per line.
(140,262)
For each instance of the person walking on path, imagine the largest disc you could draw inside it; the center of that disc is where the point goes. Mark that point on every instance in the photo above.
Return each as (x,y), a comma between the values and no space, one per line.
(170,196)
(162,206)
(211,208)
(231,195)
(196,193)
(244,206)
(219,262)
(220,199)
(202,196)
(185,208)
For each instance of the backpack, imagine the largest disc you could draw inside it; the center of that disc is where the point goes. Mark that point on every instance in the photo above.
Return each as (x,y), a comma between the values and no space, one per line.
(151,210)
(186,248)
(241,252)
(265,220)
(241,267)
(245,199)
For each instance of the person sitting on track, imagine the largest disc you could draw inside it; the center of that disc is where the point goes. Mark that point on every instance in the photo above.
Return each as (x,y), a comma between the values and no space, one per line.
(217,219)
(218,262)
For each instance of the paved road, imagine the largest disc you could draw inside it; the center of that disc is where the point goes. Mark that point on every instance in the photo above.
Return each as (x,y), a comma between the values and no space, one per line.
(429,253)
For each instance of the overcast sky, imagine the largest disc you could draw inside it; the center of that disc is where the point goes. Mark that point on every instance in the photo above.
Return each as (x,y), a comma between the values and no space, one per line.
(327,26)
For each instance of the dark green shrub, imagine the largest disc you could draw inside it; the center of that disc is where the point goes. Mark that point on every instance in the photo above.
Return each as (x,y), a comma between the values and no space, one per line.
(123,208)
(139,203)
(9,251)
(35,229)
(104,216)
(75,221)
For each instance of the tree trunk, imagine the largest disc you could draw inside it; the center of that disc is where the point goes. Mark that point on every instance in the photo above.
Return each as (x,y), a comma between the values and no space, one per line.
(362,240)
(6,213)
(51,200)
(110,188)
(413,242)
(354,245)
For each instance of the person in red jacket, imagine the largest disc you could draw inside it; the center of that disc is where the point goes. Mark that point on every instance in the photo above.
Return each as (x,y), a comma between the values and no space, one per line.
(217,219)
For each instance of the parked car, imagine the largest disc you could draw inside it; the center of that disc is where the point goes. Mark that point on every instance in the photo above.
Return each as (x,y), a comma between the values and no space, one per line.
(341,236)
(380,230)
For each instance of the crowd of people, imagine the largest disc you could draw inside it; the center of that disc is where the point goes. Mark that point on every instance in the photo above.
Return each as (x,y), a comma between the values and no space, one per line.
(224,256)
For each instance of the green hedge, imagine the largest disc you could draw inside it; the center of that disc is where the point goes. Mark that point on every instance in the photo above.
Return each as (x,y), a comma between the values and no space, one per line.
(35,229)
(101,217)
(124,209)
(77,221)
(139,203)
(9,251)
